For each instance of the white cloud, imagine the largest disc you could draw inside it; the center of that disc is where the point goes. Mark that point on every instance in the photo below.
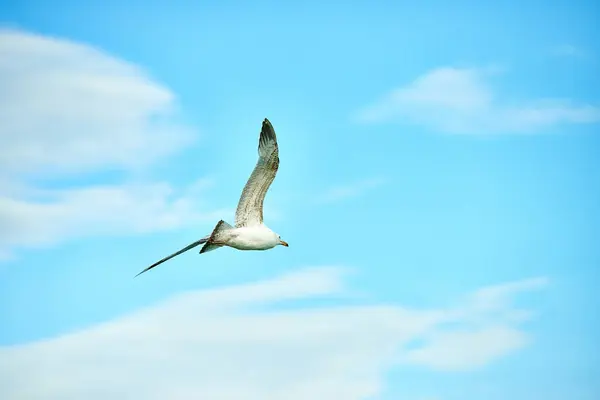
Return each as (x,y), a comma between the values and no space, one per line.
(66,106)
(568,50)
(467,349)
(97,210)
(497,297)
(242,342)
(458,100)
(66,110)
(354,189)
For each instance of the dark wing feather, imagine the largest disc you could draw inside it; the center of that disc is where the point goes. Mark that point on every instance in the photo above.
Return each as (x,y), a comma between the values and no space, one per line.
(250,207)
(186,248)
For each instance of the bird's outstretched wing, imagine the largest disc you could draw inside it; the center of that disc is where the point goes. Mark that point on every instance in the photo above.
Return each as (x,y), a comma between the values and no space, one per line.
(250,207)
(186,248)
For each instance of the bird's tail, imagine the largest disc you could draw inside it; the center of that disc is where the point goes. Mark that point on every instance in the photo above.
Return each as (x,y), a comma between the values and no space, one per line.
(215,237)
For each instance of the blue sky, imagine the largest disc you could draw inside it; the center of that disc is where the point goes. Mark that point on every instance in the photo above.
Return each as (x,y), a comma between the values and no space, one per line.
(438,188)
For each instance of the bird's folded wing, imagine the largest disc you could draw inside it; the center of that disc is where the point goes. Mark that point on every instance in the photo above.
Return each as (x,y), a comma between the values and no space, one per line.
(250,207)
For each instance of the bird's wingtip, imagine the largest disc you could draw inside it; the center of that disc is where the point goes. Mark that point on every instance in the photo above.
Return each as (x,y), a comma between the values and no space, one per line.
(267,130)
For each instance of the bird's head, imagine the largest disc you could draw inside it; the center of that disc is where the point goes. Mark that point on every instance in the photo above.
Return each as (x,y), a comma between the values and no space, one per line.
(282,242)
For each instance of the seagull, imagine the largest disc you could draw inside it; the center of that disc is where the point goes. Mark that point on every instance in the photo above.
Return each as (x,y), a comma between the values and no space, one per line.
(249,233)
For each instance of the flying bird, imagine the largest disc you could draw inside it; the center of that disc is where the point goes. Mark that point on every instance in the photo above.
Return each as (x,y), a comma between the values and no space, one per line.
(250,232)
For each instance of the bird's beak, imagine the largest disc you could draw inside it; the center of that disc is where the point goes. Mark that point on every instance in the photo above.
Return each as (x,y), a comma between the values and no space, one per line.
(283,243)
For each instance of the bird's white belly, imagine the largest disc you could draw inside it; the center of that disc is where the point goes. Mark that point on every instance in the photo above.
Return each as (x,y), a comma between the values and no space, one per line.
(252,239)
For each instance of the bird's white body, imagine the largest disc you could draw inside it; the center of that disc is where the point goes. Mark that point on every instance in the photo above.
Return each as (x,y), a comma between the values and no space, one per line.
(255,237)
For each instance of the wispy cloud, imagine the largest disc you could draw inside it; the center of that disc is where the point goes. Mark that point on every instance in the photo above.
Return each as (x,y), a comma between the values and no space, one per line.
(568,50)
(488,316)
(195,344)
(467,349)
(65,106)
(341,192)
(54,216)
(459,100)
(66,110)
